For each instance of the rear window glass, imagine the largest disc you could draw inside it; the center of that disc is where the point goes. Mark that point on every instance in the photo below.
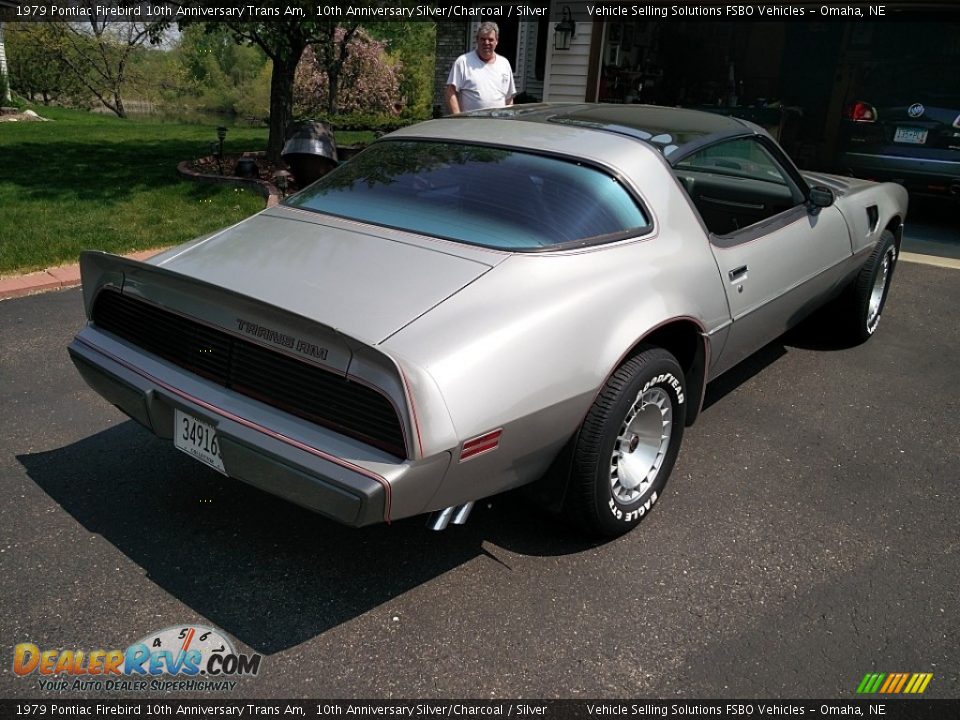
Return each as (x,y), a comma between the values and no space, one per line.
(480,195)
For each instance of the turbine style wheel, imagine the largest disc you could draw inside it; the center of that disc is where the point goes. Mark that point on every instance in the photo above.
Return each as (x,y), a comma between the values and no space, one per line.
(641,446)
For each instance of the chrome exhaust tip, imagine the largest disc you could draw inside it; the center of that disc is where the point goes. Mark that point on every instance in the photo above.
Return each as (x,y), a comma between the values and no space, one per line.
(462,513)
(457,514)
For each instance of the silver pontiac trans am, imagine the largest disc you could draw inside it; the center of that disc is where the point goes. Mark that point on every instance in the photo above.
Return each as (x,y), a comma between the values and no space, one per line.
(536,294)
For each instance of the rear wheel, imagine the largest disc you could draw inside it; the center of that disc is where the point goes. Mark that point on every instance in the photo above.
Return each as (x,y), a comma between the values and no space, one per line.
(627,445)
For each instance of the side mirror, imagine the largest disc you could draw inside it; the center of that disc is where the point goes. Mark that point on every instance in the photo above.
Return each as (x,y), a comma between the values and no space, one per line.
(819,197)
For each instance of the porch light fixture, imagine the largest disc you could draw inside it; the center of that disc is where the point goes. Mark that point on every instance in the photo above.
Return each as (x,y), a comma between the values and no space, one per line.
(564,30)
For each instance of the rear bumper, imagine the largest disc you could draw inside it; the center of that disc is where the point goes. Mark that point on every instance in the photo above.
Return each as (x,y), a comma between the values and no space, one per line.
(283,455)
(934,175)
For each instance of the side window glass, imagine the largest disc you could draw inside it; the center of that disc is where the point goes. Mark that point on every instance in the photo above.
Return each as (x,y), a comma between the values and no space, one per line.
(737,158)
(736,184)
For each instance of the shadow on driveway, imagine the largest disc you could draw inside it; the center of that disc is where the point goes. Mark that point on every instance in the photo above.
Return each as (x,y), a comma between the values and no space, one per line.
(264,570)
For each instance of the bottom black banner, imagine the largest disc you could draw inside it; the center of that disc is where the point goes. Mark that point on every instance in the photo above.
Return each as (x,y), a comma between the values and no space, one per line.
(918,709)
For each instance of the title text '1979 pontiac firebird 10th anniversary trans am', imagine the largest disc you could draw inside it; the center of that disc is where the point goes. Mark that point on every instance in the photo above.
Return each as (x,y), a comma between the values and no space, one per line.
(478,302)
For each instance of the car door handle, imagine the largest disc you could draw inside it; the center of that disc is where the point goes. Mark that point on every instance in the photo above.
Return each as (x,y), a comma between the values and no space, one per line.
(738,273)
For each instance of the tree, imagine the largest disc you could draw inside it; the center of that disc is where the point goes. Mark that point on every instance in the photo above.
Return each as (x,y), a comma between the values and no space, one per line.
(283,41)
(217,73)
(36,66)
(97,53)
(370,80)
(413,43)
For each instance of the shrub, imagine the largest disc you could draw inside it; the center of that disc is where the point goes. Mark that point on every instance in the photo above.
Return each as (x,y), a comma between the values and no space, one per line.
(375,122)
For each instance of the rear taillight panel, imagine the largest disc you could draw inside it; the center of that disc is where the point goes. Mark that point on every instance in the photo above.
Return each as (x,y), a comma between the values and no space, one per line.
(860,111)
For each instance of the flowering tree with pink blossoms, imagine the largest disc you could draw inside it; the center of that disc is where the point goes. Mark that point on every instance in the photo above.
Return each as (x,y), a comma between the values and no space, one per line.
(360,78)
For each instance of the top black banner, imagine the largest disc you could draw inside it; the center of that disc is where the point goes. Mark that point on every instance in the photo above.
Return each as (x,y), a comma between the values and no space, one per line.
(345,11)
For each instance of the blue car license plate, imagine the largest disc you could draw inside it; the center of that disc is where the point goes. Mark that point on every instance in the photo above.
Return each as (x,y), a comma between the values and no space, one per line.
(912,135)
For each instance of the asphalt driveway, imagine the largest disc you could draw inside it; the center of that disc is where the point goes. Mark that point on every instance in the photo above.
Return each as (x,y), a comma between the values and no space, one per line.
(808,536)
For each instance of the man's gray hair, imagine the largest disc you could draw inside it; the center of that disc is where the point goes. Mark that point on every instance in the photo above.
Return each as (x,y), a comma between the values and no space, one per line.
(488,27)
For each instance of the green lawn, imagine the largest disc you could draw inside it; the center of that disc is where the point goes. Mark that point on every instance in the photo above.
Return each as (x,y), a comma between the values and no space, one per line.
(90,181)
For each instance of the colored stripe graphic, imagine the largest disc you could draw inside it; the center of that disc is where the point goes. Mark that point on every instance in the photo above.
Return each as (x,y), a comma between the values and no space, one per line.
(891,681)
(922,680)
(900,683)
(894,683)
(870,683)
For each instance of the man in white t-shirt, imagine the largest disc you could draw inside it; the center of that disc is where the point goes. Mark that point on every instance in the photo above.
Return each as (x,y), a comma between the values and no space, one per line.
(481,79)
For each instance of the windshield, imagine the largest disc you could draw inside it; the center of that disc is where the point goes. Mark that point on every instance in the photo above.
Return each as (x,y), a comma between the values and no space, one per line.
(480,195)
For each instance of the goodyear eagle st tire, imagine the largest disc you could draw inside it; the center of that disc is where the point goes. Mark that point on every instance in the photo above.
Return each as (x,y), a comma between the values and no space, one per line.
(627,445)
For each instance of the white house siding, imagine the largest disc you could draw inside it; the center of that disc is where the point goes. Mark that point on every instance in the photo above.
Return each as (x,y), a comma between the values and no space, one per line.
(521,64)
(3,65)
(565,78)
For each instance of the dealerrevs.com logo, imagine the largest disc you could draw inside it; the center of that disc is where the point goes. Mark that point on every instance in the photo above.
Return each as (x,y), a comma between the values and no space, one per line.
(182,657)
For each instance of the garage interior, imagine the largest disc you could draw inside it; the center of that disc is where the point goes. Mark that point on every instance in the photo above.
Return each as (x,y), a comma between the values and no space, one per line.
(794,78)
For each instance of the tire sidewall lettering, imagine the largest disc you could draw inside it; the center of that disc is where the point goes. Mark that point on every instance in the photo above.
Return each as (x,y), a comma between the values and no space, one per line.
(669,380)
(632,516)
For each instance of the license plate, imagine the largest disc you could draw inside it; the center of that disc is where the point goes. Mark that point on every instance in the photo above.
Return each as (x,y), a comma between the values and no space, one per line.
(917,136)
(198,439)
